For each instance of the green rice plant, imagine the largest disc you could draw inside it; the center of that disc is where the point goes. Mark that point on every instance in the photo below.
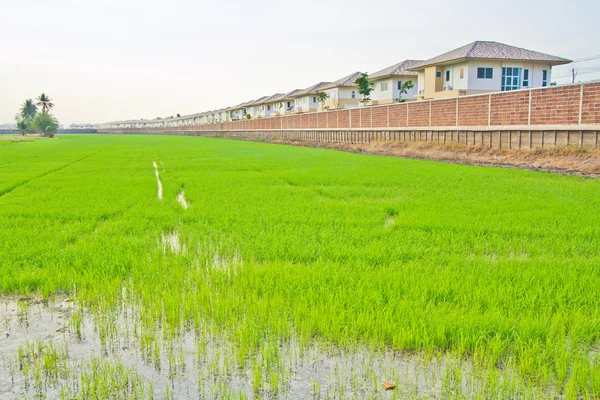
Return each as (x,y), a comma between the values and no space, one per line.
(495,267)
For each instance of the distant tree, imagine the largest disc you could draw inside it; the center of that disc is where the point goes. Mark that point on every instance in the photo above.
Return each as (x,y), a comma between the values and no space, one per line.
(364,87)
(178,115)
(28,109)
(321,97)
(45,102)
(45,123)
(404,88)
(23,124)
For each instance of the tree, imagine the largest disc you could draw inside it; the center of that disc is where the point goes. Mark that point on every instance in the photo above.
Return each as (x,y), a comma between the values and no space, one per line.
(45,123)
(404,88)
(248,116)
(321,97)
(178,115)
(28,109)
(45,102)
(364,87)
(23,124)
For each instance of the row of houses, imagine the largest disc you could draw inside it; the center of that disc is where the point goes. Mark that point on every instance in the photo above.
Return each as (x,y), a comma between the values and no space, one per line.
(476,68)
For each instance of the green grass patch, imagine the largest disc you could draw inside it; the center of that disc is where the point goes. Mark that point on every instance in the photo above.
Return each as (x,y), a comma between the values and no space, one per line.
(499,266)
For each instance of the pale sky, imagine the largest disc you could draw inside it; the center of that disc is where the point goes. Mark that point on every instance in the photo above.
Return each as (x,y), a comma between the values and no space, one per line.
(108,60)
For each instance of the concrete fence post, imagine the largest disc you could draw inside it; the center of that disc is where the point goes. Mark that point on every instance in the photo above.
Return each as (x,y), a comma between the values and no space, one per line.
(580,103)
(430,101)
(457,111)
(489,110)
(388,116)
(529,109)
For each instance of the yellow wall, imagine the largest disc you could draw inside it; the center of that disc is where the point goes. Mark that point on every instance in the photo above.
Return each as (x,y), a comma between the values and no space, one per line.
(433,84)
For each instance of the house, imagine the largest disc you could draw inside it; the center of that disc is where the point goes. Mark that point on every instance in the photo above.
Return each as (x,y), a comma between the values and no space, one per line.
(269,104)
(483,67)
(285,103)
(342,93)
(388,83)
(305,100)
(255,108)
(239,112)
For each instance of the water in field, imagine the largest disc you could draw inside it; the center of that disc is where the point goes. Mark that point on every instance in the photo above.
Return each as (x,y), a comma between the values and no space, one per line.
(53,350)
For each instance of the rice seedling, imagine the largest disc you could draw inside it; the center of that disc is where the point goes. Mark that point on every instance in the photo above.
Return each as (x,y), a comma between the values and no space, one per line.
(297,271)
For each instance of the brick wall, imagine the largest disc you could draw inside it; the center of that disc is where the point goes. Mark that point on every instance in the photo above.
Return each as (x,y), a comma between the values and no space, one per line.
(443,113)
(355,118)
(555,105)
(473,111)
(365,117)
(344,119)
(562,105)
(510,108)
(398,115)
(418,113)
(312,121)
(590,110)
(380,117)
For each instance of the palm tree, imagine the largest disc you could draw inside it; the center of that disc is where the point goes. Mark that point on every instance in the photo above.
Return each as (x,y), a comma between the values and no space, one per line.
(45,102)
(28,109)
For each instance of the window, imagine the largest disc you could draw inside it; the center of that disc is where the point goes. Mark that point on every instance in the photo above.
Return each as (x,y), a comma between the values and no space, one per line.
(485,73)
(511,78)
(438,74)
(384,86)
(399,85)
(353,94)
(448,76)
(314,99)
(269,107)
(544,77)
(462,73)
(525,78)
(288,104)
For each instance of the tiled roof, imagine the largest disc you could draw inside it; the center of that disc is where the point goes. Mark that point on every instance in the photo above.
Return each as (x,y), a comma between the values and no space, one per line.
(271,99)
(242,105)
(257,101)
(345,81)
(311,89)
(397,69)
(493,51)
(290,95)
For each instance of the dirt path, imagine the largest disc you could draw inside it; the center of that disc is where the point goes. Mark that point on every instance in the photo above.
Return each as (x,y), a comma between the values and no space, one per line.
(568,161)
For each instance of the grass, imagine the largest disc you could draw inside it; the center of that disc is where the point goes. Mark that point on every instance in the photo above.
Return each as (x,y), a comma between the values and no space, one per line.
(499,267)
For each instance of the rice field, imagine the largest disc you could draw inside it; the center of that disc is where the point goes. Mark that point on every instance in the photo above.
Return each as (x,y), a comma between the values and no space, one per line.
(186,267)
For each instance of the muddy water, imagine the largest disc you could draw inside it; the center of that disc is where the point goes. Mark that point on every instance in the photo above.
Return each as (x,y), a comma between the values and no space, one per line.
(180,369)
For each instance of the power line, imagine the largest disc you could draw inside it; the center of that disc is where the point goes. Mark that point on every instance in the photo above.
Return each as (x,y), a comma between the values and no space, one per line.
(570,65)
(582,73)
(586,59)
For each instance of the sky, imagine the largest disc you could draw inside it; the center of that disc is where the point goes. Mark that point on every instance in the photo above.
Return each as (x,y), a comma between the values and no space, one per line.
(112,60)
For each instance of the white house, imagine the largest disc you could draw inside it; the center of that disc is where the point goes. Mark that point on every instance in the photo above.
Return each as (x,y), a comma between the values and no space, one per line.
(269,104)
(342,93)
(305,100)
(483,67)
(388,83)
(255,108)
(285,103)
(239,112)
